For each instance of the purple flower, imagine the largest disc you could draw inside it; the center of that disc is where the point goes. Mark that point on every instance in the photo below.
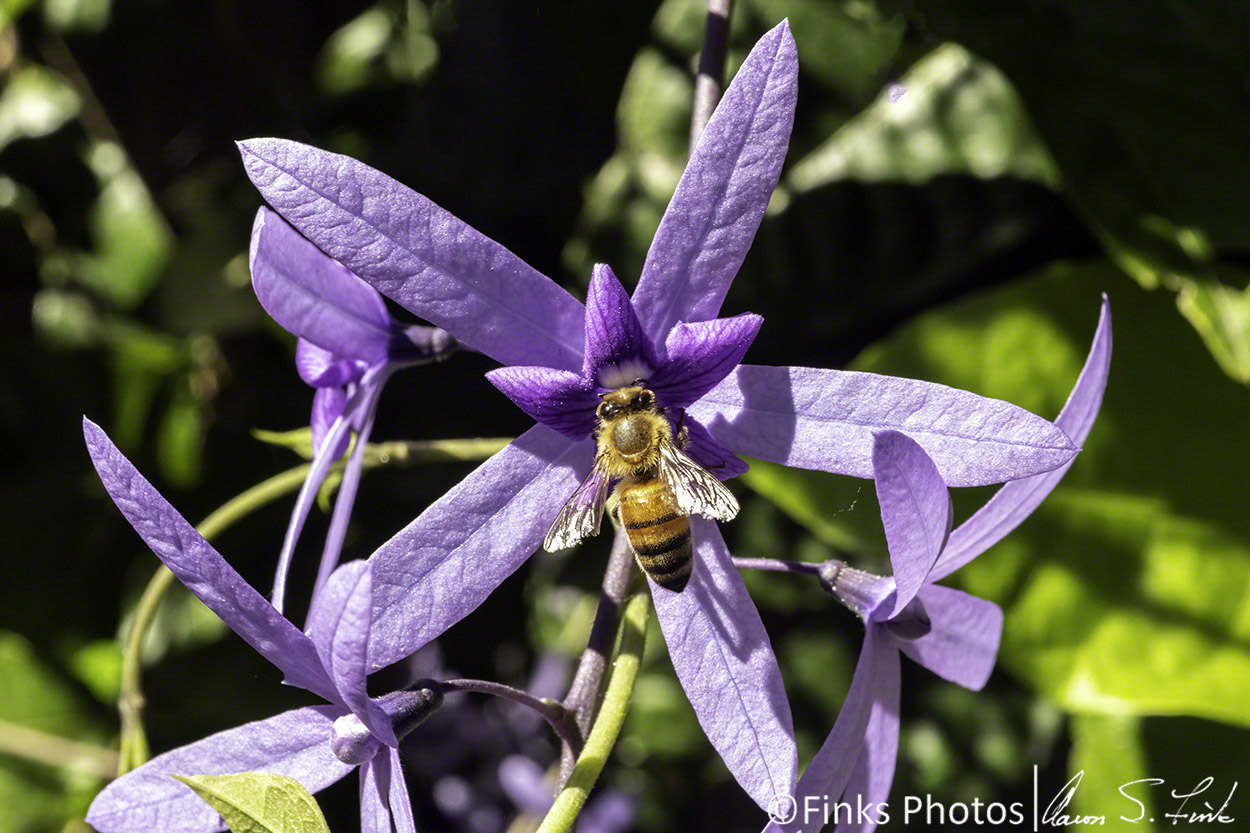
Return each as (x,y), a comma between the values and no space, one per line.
(316,745)
(559,354)
(951,633)
(348,347)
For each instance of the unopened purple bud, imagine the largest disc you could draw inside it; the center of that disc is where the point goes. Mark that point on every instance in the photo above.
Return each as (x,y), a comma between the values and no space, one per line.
(911,623)
(351,742)
(409,709)
(861,592)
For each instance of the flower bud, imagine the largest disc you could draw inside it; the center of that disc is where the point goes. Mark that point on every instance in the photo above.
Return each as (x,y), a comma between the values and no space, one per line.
(861,592)
(409,709)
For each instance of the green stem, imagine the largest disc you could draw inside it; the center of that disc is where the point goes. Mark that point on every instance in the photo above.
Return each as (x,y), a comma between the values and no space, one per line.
(134,744)
(608,723)
(54,750)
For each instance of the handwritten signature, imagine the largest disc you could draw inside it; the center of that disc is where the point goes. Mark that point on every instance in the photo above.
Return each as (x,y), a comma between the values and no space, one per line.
(1185,812)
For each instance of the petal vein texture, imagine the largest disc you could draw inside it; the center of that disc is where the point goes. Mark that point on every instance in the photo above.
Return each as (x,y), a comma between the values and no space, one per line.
(433,264)
(724,660)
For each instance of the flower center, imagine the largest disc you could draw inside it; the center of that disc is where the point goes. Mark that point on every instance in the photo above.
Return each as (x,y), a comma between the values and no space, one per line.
(622,374)
(351,742)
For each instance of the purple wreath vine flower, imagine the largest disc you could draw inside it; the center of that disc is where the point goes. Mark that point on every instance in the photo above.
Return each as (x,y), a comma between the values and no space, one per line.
(316,745)
(348,347)
(953,634)
(558,354)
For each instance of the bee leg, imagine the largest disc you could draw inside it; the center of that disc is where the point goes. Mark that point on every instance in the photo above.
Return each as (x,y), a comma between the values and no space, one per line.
(682,433)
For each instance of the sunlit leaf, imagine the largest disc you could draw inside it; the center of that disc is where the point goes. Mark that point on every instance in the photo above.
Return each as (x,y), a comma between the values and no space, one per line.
(1107,753)
(1143,105)
(1221,315)
(298,440)
(846,45)
(33,794)
(1127,593)
(951,113)
(260,802)
(132,242)
(35,101)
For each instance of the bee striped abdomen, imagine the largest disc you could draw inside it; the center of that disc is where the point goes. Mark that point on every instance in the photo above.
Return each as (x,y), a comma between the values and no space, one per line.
(658,532)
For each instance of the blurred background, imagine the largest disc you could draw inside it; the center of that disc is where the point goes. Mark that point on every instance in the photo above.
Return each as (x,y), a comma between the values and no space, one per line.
(964,182)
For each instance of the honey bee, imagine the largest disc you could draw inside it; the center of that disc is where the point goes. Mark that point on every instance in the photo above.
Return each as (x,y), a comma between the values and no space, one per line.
(657,488)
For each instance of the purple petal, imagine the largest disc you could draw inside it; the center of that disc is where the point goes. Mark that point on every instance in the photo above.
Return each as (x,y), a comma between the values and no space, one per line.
(400,802)
(726,664)
(439,568)
(346,498)
(824,419)
(323,369)
(874,769)
(328,406)
(435,265)
(338,625)
(558,399)
(205,573)
(294,743)
(612,811)
(827,776)
(962,644)
(718,205)
(1011,504)
(617,350)
(700,355)
(915,508)
(316,297)
(525,783)
(384,803)
(703,448)
(325,453)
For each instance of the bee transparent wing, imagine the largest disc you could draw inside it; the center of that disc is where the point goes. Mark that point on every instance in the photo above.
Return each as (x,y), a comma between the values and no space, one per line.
(580,515)
(697,490)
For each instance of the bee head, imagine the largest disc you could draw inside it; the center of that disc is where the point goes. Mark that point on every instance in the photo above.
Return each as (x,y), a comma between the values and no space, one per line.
(633,399)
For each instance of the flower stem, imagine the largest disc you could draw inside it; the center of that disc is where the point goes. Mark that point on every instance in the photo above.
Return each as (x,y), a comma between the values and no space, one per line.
(711,77)
(54,750)
(776,565)
(588,680)
(607,726)
(134,744)
(559,718)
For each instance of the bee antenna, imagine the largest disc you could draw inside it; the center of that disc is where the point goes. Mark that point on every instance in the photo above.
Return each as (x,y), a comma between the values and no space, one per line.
(640,383)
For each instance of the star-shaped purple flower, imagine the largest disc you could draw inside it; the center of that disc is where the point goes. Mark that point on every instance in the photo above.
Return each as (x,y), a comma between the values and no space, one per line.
(316,745)
(559,354)
(348,347)
(951,633)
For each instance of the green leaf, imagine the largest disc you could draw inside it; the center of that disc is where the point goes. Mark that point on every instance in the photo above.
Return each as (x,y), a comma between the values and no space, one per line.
(1108,752)
(955,114)
(847,45)
(298,440)
(131,241)
(1221,315)
(1127,592)
(35,102)
(34,795)
(814,499)
(180,441)
(1144,106)
(259,802)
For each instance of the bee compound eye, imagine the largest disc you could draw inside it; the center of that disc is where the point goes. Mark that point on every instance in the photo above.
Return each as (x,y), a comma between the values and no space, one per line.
(647,398)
